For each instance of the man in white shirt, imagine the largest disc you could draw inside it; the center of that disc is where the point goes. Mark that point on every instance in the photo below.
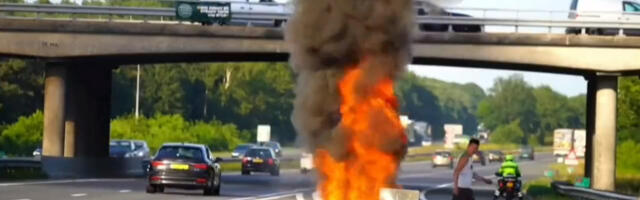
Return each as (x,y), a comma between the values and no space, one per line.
(463,175)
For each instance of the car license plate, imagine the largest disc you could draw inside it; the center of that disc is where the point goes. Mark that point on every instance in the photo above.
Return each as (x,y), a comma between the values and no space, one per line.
(510,184)
(258,161)
(180,167)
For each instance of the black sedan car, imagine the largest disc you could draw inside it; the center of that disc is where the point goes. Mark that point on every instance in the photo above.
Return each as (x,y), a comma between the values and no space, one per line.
(185,166)
(526,153)
(260,159)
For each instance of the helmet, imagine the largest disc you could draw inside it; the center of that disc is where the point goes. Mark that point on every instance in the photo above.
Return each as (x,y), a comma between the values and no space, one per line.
(509,158)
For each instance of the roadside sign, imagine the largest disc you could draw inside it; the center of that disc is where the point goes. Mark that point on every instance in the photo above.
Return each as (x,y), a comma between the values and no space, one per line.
(571,158)
(264,133)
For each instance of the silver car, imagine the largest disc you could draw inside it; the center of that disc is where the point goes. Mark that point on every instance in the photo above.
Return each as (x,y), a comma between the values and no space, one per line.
(443,158)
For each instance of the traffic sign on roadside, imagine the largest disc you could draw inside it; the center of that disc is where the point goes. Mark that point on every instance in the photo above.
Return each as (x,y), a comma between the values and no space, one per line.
(572,159)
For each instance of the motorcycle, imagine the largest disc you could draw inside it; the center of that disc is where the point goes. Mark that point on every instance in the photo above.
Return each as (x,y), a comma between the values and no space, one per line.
(508,188)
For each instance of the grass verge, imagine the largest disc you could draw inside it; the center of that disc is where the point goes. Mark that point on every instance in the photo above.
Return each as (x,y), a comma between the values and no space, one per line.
(13,174)
(540,189)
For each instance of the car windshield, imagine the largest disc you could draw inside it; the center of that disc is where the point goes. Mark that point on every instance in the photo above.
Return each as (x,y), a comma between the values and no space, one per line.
(180,153)
(443,153)
(259,153)
(139,145)
(120,146)
(272,145)
(243,147)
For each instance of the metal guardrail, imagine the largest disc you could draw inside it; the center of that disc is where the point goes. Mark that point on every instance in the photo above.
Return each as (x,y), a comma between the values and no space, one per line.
(20,163)
(587,194)
(258,16)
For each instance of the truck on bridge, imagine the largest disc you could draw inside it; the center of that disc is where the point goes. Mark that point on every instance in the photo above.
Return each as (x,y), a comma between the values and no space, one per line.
(225,12)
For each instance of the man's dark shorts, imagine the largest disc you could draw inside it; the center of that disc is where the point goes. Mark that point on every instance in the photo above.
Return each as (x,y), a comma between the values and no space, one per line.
(464,194)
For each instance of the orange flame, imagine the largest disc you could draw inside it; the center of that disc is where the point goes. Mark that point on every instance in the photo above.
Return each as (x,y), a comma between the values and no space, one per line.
(370,122)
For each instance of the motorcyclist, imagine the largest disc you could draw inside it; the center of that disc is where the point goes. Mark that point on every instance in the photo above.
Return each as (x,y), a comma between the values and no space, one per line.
(509,168)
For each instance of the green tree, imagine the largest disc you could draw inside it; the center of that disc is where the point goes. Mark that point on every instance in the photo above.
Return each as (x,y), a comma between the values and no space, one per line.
(629,109)
(508,134)
(552,110)
(22,137)
(21,88)
(438,102)
(510,99)
(577,111)
(420,104)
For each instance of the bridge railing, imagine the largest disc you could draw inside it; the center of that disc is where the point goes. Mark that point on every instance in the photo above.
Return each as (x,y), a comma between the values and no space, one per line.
(587,194)
(167,15)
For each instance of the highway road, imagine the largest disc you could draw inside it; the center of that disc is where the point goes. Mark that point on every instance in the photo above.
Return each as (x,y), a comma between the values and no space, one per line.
(436,183)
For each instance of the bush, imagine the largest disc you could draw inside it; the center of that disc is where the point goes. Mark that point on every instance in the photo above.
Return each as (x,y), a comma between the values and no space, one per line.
(510,133)
(174,128)
(627,159)
(22,137)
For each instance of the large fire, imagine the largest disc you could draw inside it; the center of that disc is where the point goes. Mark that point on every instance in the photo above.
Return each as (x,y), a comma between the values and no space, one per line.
(369,121)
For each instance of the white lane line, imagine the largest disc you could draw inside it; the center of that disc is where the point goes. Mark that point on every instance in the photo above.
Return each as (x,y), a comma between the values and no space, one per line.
(79,195)
(65,181)
(299,196)
(23,199)
(277,194)
(282,196)
(124,191)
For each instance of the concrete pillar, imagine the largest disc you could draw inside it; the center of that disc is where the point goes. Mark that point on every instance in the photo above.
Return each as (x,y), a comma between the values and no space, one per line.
(89,110)
(590,123)
(604,141)
(54,111)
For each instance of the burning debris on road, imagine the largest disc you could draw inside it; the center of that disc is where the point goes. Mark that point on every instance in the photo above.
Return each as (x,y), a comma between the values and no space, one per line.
(347,54)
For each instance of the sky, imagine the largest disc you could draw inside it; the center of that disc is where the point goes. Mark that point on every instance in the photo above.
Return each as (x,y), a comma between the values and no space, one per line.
(565,84)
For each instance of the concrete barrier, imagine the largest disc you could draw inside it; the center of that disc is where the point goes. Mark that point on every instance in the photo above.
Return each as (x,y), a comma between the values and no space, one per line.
(59,167)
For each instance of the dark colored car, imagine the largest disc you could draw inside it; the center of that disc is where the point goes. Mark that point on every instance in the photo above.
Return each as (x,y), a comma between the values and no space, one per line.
(526,153)
(185,166)
(260,159)
(495,156)
(424,8)
(128,149)
(273,145)
(241,149)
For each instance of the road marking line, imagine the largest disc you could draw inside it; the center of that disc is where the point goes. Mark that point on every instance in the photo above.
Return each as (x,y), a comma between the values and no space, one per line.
(79,195)
(277,194)
(64,181)
(124,191)
(299,196)
(23,199)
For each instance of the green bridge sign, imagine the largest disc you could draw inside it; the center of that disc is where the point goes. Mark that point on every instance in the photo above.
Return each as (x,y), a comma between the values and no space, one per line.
(206,13)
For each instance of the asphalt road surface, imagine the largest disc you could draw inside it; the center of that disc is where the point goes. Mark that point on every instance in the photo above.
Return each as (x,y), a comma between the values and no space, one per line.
(434,183)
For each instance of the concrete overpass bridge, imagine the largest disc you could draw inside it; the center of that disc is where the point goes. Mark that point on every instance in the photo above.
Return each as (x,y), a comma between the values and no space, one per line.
(81,54)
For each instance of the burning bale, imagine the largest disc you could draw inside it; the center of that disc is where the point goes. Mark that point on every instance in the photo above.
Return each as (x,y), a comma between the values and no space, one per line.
(347,54)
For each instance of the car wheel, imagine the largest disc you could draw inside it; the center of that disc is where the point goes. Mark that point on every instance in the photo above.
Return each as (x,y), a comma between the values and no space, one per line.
(217,184)
(208,190)
(151,189)
(160,188)
(275,172)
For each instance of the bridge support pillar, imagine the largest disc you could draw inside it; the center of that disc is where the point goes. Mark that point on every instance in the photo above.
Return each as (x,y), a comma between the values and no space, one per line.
(54,107)
(88,111)
(604,139)
(590,125)
(77,119)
